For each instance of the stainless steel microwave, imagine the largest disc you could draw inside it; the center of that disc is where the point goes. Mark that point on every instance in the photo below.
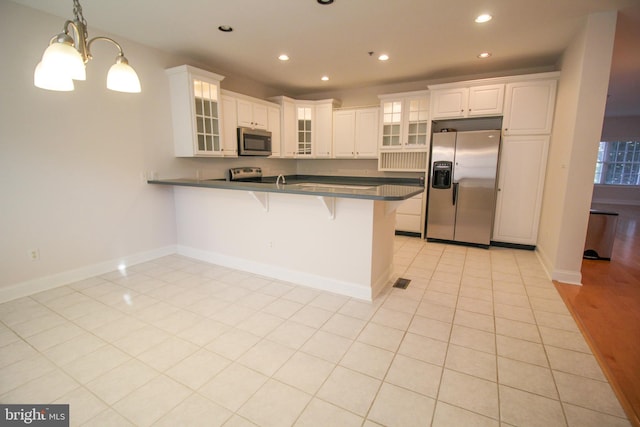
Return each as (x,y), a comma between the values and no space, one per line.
(253,142)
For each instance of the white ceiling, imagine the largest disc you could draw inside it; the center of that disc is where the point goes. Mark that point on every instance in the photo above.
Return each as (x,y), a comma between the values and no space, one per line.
(425,39)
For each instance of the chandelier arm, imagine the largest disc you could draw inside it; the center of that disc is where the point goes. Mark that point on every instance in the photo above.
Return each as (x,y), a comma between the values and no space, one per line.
(80,39)
(120,52)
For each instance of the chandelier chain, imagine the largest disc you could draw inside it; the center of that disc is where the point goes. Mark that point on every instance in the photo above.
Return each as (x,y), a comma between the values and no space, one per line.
(77,13)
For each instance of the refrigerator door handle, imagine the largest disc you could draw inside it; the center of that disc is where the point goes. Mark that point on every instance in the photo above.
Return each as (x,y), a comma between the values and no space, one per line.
(455,193)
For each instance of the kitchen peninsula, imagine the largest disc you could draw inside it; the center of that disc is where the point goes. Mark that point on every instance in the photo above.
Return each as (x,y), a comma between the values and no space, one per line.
(330,233)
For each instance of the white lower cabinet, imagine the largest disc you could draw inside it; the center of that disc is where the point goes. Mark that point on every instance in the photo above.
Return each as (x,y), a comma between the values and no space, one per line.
(409,216)
(523,161)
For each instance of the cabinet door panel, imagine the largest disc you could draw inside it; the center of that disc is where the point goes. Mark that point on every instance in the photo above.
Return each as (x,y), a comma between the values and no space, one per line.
(486,100)
(529,107)
(366,133)
(449,103)
(260,116)
(229,127)
(523,162)
(289,130)
(323,130)
(245,116)
(344,133)
(412,206)
(273,126)
(409,223)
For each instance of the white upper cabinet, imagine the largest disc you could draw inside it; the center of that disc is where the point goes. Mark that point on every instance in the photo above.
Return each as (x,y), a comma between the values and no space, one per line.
(252,115)
(229,135)
(306,127)
(355,133)
(529,107)
(196,112)
(273,122)
(323,130)
(481,100)
(245,111)
(344,133)
(486,100)
(288,144)
(404,121)
(449,103)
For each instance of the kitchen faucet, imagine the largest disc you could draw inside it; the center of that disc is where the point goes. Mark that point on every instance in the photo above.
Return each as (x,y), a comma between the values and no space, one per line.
(284,181)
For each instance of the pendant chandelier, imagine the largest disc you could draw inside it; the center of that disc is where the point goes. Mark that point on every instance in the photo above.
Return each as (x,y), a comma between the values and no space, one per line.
(68,52)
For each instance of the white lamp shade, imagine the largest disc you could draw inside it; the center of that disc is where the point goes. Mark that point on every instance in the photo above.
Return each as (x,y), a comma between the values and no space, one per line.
(123,78)
(51,79)
(63,58)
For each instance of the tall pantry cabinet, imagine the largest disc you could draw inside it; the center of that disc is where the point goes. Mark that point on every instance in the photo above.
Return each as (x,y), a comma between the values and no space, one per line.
(527,123)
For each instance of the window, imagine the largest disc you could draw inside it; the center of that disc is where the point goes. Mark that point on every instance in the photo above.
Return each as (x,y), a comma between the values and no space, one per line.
(618,163)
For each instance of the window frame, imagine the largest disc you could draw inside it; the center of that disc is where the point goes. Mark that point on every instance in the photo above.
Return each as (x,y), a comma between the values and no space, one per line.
(604,164)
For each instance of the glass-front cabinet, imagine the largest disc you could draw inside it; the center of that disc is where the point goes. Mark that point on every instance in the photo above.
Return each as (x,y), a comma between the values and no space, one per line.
(196,112)
(306,128)
(304,118)
(391,123)
(405,121)
(207,116)
(418,122)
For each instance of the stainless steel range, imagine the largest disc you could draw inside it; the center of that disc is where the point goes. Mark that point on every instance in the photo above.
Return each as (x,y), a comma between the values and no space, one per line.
(246,174)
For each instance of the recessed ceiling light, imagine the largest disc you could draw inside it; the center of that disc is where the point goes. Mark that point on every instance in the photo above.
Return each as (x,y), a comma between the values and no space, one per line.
(225,28)
(383,57)
(484,55)
(325,78)
(325,1)
(283,57)
(485,17)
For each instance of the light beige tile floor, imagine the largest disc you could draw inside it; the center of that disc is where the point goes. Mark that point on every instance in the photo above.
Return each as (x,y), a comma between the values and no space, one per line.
(480,337)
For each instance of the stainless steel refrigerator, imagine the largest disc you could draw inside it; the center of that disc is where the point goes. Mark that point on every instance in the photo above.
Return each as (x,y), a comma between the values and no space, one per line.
(462,187)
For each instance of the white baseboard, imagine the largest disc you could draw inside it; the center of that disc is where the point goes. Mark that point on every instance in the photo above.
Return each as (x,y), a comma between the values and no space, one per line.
(564,276)
(567,276)
(542,258)
(40,284)
(329,284)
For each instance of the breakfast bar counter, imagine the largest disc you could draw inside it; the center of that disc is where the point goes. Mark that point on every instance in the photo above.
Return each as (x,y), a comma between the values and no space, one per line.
(388,189)
(329,233)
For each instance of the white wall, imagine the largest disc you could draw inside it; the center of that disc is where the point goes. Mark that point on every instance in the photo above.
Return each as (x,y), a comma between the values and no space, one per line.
(70,162)
(574,144)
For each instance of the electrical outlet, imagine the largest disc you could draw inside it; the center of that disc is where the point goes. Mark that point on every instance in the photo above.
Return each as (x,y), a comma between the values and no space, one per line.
(34,254)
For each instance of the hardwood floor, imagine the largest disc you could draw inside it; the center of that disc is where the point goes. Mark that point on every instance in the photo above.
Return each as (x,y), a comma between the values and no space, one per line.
(607,308)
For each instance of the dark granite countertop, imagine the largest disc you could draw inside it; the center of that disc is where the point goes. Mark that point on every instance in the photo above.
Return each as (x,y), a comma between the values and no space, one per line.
(369,188)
